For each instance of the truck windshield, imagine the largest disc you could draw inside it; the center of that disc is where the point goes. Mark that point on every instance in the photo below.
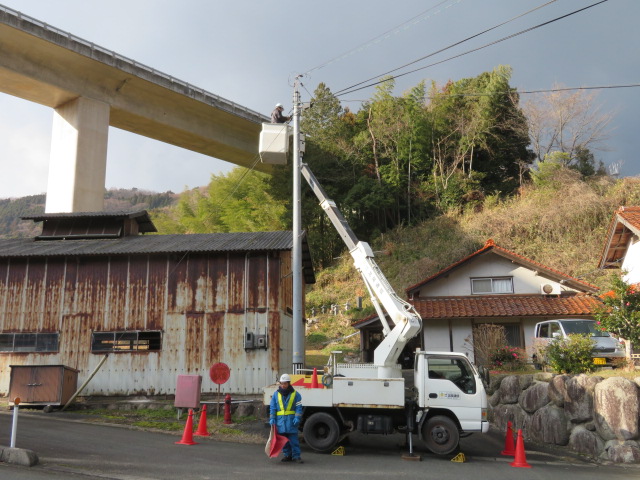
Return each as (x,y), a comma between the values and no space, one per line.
(583,327)
(456,370)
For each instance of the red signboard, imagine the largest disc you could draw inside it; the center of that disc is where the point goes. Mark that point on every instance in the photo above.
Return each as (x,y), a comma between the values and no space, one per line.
(219,373)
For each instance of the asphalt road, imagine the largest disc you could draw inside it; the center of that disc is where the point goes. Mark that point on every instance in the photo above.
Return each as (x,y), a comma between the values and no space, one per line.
(70,449)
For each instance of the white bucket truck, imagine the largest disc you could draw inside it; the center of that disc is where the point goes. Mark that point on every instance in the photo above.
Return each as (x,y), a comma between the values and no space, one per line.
(447,400)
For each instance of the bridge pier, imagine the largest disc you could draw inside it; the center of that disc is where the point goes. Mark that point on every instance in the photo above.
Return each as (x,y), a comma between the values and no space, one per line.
(78,158)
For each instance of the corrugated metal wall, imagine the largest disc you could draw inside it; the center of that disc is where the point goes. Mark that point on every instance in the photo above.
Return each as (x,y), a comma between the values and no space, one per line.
(202,303)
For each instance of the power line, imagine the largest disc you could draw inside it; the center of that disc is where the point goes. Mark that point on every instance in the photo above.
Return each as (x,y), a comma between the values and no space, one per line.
(448,47)
(347,91)
(386,34)
(519,92)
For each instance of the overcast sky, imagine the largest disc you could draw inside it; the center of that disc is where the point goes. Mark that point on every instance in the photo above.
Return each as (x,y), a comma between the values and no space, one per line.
(248,51)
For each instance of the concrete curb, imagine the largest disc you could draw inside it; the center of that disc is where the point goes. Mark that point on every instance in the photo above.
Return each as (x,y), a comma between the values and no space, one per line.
(18,456)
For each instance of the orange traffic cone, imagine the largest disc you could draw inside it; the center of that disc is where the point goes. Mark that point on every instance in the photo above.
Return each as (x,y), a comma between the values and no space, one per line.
(202,424)
(187,436)
(521,458)
(509,449)
(314,379)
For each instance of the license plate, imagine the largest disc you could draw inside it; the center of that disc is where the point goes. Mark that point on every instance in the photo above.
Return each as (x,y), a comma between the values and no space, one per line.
(600,361)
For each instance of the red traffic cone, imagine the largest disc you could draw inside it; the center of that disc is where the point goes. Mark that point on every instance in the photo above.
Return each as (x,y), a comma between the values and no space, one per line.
(187,436)
(521,459)
(202,424)
(314,379)
(509,448)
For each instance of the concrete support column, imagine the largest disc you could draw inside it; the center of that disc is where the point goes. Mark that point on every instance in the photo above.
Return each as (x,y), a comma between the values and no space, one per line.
(78,160)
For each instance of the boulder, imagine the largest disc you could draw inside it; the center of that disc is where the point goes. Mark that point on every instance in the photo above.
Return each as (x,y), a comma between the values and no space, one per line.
(494,399)
(549,425)
(585,442)
(557,389)
(508,413)
(510,389)
(623,452)
(543,377)
(615,404)
(525,381)
(534,397)
(494,382)
(578,403)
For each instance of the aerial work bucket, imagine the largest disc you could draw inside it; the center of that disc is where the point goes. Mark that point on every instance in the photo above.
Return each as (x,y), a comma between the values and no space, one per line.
(274,143)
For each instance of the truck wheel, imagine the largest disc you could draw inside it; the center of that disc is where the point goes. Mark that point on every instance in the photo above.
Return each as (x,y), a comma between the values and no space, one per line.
(441,435)
(321,432)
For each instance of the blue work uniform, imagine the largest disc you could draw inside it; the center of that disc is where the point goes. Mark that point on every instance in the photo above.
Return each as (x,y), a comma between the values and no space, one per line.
(286,411)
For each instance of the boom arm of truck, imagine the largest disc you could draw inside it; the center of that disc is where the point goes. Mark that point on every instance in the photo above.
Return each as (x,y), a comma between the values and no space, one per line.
(407,322)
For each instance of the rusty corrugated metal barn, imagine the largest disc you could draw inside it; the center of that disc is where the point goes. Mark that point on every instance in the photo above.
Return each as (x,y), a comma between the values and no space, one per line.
(159,305)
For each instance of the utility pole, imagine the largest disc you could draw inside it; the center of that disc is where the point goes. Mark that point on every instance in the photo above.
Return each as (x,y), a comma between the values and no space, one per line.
(298,328)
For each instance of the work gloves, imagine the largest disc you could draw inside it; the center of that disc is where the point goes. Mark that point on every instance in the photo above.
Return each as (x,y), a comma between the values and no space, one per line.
(272,421)
(296,421)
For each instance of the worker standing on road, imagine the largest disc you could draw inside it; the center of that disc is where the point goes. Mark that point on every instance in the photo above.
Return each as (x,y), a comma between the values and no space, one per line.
(285,412)
(277,116)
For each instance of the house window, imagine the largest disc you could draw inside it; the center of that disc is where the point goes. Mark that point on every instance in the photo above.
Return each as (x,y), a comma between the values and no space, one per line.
(29,342)
(126,341)
(484,286)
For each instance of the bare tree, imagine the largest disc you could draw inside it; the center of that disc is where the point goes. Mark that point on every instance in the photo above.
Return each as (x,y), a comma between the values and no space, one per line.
(566,122)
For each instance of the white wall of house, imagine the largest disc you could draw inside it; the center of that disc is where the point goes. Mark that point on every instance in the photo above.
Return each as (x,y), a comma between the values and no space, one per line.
(458,281)
(631,262)
(437,336)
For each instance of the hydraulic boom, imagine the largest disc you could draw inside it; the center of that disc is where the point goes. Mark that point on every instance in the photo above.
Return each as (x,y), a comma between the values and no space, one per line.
(407,322)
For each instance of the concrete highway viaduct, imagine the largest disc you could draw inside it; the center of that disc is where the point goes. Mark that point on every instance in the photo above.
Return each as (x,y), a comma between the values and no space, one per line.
(91,88)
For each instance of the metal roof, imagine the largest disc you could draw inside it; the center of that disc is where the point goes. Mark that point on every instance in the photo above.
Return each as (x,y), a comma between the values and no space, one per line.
(145,224)
(159,244)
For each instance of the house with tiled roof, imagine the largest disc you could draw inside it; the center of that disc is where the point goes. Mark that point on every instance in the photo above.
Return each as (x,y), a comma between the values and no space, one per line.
(491,285)
(622,244)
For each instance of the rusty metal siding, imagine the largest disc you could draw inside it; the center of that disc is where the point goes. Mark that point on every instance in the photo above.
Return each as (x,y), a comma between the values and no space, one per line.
(15,295)
(236,273)
(257,285)
(217,286)
(137,293)
(117,287)
(53,292)
(157,292)
(4,285)
(214,337)
(202,304)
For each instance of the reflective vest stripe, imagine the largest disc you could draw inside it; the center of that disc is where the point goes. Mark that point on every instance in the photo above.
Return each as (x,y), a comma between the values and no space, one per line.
(288,411)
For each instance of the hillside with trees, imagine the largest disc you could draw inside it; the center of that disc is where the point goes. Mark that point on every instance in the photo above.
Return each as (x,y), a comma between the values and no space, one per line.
(12,209)
(427,177)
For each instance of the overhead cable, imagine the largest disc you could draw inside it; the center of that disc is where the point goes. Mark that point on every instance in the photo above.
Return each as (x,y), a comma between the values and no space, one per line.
(447,47)
(386,34)
(351,90)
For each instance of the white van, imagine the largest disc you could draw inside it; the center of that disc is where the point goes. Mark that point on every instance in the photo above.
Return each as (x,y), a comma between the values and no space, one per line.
(606,350)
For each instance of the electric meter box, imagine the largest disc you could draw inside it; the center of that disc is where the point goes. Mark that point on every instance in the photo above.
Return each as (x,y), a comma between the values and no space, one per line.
(274,143)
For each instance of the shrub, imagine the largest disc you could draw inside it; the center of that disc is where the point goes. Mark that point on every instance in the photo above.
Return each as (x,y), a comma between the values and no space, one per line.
(571,354)
(486,338)
(507,358)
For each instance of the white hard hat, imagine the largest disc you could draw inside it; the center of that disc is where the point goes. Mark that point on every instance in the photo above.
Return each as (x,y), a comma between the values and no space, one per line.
(278,105)
(285,378)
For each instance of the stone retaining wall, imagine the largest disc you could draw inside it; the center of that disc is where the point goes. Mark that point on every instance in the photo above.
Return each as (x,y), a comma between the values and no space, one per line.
(589,415)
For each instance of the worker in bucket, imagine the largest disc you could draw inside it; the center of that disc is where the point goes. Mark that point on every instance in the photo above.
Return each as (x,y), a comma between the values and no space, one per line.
(285,412)
(277,116)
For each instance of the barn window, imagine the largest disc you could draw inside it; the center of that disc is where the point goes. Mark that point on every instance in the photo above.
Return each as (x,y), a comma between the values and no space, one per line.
(29,342)
(126,341)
